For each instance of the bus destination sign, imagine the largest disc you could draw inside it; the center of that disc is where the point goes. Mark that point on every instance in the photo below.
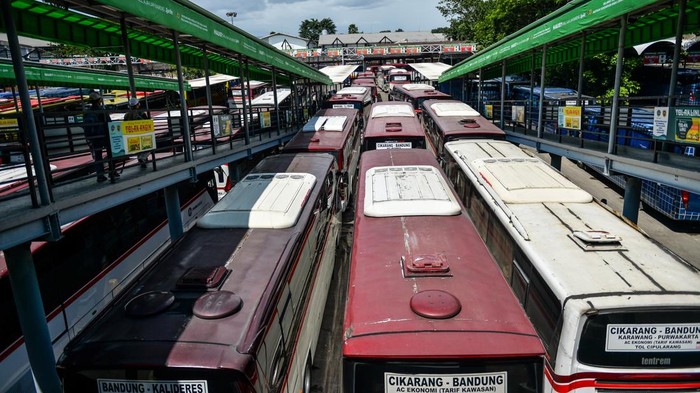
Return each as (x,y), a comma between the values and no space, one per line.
(445,383)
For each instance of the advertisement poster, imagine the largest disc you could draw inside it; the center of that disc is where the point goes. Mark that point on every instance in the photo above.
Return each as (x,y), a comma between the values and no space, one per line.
(265,120)
(518,114)
(660,122)
(569,117)
(132,136)
(489,111)
(686,124)
(222,125)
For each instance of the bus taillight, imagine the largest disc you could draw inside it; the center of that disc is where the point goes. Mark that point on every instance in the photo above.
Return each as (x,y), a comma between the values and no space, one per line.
(229,184)
(685,198)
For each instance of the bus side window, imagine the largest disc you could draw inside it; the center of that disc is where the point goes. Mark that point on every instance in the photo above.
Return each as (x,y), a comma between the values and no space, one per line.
(544,311)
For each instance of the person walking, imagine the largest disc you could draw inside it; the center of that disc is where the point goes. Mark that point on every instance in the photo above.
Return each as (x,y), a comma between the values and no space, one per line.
(95,122)
(135,113)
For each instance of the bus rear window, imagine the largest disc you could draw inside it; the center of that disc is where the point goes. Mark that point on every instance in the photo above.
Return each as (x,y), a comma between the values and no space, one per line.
(642,338)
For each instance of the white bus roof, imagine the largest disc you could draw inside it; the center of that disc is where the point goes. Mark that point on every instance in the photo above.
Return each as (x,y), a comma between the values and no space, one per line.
(398,110)
(579,246)
(517,177)
(325,123)
(445,109)
(355,90)
(417,86)
(261,200)
(268,98)
(399,191)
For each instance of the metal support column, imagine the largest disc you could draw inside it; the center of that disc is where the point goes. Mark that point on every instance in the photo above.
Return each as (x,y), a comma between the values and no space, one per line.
(212,132)
(676,52)
(274,94)
(127,56)
(503,94)
(32,317)
(28,115)
(540,104)
(618,75)
(633,194)
(172,207)
(184,118)
(242,110)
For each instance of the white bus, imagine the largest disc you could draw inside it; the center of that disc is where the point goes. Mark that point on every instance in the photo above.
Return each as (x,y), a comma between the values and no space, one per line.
(615,311)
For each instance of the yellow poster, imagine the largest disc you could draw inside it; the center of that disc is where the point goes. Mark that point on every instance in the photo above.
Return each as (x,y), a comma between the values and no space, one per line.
(131,136)
(265,120)
(569,117)
(489,111)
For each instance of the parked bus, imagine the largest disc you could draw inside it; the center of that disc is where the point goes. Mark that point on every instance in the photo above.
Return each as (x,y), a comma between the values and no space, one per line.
(369,83)
(427,308)
(96,258)
(397,76)
(235,305)
(251,90)
(393,125)
(446,120)
(416,94)
(615,311)
(354,97)
(334,131)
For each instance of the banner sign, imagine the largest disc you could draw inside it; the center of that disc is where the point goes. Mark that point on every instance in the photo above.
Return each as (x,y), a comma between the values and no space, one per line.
(569,117)
(131,136)
(677,124)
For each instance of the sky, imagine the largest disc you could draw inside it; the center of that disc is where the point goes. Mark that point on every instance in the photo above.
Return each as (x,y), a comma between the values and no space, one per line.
(260,17)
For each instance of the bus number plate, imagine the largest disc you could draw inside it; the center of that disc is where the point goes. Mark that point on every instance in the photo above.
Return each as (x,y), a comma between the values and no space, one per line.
(393,145)
(340,106)
(446,383)
(125,385)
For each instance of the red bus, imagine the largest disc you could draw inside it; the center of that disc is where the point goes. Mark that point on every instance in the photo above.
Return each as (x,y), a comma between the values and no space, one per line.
(235,305)
(416,94)
(368,82)
(427,307)
(334,131)
(449,120)
(397,76)
(81,273)
(393,125)
(354,97)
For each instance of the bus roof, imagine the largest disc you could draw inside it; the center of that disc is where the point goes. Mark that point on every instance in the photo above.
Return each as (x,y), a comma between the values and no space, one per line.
(453,108)
(325,123)
(353,90)
(579,246)
(325,139)
(392,109)
(401,191)
(268,98)
(417,86)
(388,254)
(459,120)
(261,200)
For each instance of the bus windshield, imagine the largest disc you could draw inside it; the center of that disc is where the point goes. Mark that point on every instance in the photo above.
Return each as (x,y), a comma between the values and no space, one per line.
(642,338)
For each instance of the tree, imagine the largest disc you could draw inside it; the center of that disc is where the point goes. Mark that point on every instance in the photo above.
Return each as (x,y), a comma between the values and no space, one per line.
(487,21)
(311,29)
(399,30)
(352,29)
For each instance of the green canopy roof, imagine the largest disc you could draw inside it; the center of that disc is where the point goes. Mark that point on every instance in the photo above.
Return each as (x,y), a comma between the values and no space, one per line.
(98,27)
(649,20)
(51,75)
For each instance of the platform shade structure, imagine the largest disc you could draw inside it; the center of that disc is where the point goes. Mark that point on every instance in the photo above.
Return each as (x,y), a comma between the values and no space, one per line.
(338,74)
(563,29)
(51,75)
(430,71)
(151,26)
